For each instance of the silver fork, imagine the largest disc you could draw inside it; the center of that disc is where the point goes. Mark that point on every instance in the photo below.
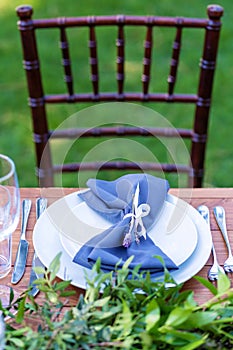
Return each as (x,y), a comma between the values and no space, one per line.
(220,217)
(215,268)
(41,205)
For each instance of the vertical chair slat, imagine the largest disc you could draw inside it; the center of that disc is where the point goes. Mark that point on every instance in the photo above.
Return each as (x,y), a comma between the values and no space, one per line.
(93,56)
(207,70)
(64,45)
(147,60)
(120,43)
(36,96)
(174,61)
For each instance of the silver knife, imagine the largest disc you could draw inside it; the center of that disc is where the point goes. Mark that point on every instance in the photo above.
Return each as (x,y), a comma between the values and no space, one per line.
(41,205)
(22,252)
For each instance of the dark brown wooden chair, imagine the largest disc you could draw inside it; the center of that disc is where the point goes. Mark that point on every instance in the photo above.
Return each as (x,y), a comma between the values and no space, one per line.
(201,98)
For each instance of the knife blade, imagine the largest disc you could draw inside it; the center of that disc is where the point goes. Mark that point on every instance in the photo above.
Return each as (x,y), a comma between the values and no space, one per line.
(41,205)
(22,252)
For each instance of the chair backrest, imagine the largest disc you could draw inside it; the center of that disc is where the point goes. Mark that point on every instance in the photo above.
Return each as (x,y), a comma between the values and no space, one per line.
(201,98)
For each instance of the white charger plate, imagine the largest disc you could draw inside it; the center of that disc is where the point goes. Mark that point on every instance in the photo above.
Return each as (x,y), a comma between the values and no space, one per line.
(47,242)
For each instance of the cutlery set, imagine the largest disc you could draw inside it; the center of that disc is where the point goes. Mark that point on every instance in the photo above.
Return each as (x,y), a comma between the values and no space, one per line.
(219,214)
(22,252)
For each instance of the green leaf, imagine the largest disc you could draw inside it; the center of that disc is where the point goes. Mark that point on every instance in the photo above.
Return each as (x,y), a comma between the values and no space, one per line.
(21,311)
(104,315)
(194,345)
(39,270)
(54,266)
(160,259)
(124,320)
(199,319)
(101,302)
(223,283)
(17,342)
(67,293)
(40,281)
(61,285)
(190,302)
(177,316)
(223,320)
(53,297)
(11,295)
(128,262)
(96,268)
(207,284)
(147,341)
(152,314)
(180,337)
(18,332)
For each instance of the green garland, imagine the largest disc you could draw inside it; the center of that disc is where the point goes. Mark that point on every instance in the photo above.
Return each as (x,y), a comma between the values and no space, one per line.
(118,312)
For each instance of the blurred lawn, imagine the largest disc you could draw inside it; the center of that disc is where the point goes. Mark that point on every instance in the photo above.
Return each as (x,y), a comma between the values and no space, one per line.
(15,123)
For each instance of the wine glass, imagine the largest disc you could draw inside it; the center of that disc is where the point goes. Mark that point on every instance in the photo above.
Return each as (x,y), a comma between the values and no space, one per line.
(9,218)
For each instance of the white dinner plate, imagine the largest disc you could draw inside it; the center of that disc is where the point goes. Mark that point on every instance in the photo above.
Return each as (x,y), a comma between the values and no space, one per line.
(82,223)
(47,242)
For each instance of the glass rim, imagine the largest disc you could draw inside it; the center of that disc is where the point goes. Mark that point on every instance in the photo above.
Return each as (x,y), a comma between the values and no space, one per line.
(12,169)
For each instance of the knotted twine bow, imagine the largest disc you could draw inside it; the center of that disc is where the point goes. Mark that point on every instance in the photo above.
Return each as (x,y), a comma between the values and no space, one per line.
(136,223)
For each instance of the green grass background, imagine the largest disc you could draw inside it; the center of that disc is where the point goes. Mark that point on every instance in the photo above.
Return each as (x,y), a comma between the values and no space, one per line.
(15,123)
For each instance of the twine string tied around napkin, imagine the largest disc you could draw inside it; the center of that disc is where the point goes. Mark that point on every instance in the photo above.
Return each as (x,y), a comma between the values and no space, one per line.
(136,225)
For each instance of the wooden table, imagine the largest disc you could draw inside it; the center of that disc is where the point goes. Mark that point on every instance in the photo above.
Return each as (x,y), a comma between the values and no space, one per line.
(208,196)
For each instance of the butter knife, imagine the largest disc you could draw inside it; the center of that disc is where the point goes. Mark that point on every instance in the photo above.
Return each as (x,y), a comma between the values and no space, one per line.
(41,205)
(22,252)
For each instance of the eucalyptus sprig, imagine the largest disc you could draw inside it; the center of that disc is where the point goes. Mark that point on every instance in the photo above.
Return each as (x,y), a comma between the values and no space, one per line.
(122,309)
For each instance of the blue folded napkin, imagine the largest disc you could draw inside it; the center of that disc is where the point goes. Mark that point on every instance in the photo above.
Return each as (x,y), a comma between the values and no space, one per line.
(132,203)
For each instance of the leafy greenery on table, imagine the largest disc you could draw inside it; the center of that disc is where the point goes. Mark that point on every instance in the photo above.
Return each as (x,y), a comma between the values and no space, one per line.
(118,312)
